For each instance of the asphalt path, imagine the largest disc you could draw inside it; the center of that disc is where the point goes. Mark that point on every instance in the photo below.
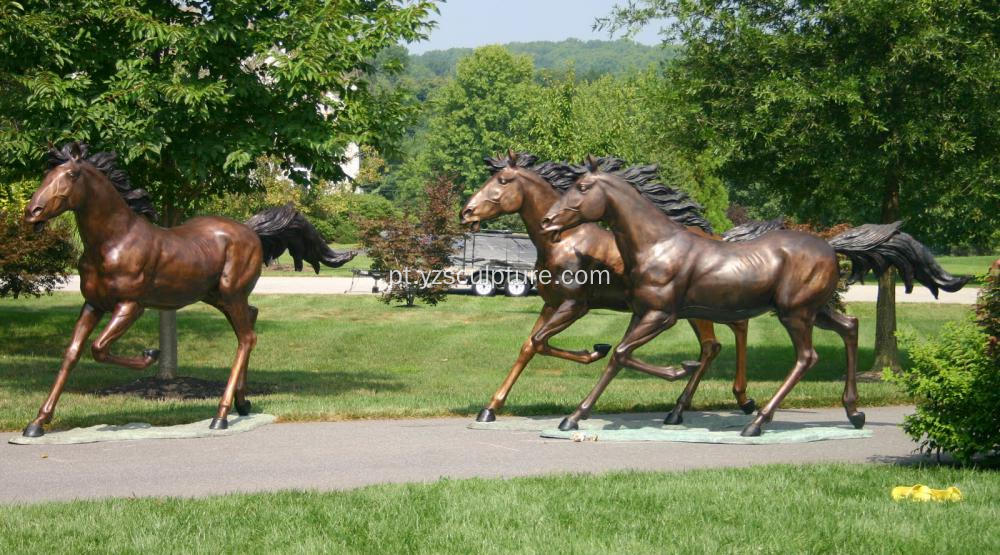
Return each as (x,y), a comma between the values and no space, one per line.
(343,455)
(327,285)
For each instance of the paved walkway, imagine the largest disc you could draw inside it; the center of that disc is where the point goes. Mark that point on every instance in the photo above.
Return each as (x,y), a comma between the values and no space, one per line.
(340,455)
(272,285)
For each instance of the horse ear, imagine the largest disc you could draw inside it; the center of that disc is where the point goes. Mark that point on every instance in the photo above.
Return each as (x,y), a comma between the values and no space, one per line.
(75,152)
(592,164)
(511,158)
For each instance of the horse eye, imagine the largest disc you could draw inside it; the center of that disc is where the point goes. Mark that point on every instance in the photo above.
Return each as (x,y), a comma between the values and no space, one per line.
(503,181)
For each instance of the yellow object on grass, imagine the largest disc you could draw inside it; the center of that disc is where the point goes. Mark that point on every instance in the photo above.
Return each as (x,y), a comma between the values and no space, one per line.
(921,492)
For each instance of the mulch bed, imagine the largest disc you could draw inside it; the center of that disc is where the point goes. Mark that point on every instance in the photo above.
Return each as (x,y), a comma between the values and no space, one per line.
(182,387)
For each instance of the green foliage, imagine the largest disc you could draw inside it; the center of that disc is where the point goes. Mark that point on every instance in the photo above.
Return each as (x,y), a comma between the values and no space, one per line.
(32,263)
(870,110)
(192,93)
(956,379)
(590,59)
(988,314)
(337,215)
(498,100)
(957,389)
(412,250)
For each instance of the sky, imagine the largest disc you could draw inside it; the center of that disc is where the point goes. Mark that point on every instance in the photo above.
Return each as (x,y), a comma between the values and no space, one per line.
(472,23)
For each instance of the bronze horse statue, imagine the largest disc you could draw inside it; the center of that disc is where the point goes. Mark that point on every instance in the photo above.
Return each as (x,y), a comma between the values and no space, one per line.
(129,264)
(519,185)
(677,274)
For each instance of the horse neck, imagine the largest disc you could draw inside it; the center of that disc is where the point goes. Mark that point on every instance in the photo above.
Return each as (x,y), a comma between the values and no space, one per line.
(536,201)
(636,222)
(103,215)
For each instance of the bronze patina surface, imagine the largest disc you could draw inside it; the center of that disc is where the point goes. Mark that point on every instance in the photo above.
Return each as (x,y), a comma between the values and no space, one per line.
(519,185)
(129,264)
(678,274)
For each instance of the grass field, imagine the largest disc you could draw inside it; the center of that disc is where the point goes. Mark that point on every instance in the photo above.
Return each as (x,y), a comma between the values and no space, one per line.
(967,265)
(767,509)
(283,266)
(343,357)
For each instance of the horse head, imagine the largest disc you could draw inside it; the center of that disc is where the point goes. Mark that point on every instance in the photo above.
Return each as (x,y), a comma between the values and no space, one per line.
(62,187)
(585,201)
(503,192)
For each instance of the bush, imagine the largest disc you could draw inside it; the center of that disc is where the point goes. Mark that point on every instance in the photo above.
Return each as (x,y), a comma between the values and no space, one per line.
(336,215)
(33,263)
(956,380)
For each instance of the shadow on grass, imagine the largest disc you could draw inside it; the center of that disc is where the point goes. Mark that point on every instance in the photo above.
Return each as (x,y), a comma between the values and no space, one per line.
(35,377)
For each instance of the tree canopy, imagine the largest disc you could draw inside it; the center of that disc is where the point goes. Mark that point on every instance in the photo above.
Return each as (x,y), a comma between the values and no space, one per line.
(869,110)
(192,93)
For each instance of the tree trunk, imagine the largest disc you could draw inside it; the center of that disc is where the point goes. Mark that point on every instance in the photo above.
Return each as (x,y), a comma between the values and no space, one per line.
(886,349)
(168,345)
(167,368)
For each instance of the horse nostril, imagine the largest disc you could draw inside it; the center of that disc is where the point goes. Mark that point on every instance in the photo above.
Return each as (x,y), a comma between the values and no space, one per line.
(546,221)
(37,211)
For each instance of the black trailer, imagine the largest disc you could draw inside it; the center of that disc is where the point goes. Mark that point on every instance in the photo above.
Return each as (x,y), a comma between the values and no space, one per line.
(492,261)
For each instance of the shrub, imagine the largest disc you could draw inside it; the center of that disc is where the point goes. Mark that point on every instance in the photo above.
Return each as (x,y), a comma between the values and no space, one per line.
(415,248)
(342,211)
(33,263)
(956,380)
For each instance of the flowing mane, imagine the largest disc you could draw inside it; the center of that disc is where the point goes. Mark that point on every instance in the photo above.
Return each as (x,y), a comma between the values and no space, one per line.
(677,205)
(137,199)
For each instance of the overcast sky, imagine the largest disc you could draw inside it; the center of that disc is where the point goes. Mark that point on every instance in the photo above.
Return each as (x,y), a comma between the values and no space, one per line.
(471,23)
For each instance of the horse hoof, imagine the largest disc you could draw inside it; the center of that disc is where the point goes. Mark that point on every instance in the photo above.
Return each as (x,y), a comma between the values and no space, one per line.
(752,430)
(244,408)
(33,430)
(568,425)
(749,406)
(675,418)
(857,420)
(152,353)
(218,424)
(602,348)
(486,415)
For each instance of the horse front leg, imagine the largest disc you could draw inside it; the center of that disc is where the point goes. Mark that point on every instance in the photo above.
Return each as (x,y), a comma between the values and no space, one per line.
(705,331)
(568,312)
(85,324)
(124,315)
(488,414)
(740,380)
(642,329)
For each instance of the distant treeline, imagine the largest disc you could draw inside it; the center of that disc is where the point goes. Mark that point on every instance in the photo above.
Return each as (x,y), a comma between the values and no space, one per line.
(590,59)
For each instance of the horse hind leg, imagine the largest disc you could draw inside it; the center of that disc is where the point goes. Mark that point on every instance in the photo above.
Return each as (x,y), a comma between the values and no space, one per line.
(710,347)
(799,327)
(747,405)
(241,318)
(847,328)
(242,404)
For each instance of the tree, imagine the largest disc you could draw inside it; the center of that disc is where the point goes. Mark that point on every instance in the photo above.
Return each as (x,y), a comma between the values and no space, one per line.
(472,116)
(191,93)
(413,250)
(873,110)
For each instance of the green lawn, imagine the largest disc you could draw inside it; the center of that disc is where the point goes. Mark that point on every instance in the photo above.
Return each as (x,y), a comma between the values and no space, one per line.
(283,266)
(967,265)
(768,509)
(342,357)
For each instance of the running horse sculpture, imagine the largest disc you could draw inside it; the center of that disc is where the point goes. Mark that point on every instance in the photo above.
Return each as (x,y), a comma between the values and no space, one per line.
(128,264)
(678,274)
(519,185)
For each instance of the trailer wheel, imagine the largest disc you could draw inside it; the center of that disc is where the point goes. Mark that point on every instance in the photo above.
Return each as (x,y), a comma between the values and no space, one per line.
(517,286)
(482,286)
